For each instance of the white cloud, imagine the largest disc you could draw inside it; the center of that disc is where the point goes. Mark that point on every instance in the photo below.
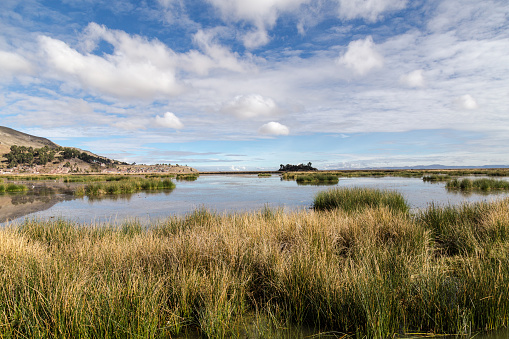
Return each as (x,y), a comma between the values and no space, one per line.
(362,56)
(137,68)
(262,14)
(215,55)
(251,106)
(413,79)
(132,72)
(467,102)
(13,64)
(370,10)
(256,38)
(274,128)
(169,120)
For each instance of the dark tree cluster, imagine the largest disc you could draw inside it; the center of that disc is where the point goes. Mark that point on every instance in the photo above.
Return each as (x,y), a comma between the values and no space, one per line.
(296,168)
(22,155)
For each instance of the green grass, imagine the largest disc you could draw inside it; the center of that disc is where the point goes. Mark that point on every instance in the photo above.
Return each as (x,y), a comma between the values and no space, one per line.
(373,272)
(188,177)
(484,184)
(264,174)
(12,188)
(317,178)
(354,199)
(130,185)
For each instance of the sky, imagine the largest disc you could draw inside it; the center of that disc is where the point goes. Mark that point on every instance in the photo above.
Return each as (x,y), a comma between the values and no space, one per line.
(252,84)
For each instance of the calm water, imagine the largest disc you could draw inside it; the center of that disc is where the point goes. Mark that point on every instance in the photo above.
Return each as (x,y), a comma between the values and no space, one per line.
(220,193)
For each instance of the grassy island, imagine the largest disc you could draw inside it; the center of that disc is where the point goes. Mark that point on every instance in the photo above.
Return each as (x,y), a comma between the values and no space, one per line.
(12,187)
(367,272)
(483,184)
(126,186)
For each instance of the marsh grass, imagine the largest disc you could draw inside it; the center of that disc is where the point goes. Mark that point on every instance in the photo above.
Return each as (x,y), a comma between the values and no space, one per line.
(264,174)
(483,184)
(95,178)
(11,187)
(125,186)
(317,178)
(188,177)
(357,198)
(367,273)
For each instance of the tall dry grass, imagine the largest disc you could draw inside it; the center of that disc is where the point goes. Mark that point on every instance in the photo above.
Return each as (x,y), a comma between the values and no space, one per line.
(374,272)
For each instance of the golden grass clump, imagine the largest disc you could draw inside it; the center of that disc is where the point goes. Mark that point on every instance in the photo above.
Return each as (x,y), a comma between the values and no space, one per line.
(372,272)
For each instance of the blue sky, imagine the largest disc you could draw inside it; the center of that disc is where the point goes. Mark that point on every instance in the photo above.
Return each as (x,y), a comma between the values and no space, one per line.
(238,84)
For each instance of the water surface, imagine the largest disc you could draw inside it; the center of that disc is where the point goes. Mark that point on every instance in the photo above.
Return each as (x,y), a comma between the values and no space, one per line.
(220,193)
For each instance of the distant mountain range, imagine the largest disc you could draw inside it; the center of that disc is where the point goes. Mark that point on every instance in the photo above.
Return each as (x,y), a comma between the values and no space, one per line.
(437,167)
(417,167)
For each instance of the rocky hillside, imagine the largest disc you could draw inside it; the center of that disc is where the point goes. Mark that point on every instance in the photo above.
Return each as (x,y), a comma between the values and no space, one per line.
(9,137)
(36,155)
(31,151)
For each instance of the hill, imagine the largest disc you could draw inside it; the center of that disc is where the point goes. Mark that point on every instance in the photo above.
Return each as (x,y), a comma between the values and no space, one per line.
(33,154)
(31,151)
(10,137)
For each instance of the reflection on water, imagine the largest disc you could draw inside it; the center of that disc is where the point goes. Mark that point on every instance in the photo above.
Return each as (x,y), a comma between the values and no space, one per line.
(220,193)
(40,197)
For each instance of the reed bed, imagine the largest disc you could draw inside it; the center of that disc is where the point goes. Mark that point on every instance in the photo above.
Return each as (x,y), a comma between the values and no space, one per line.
(95,178)
(367,273)
(264,174)
(11,187)
(32,177)
(483,184)
(317,178)
(124,186)
(188,177)
(357,198)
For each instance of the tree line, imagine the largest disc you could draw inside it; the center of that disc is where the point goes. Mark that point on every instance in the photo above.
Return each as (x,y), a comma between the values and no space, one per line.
(299,167)
(22,155)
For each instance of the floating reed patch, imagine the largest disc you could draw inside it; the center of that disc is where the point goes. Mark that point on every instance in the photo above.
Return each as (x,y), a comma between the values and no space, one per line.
(128,186)
(12,188)
(188,177)
(370,273)
(354,199)
(483,184)
(317,178)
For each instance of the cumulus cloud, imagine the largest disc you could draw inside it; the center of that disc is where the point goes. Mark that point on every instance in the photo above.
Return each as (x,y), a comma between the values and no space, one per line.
(215,55)
(251,106)
(169,120)
(361,56)
(13,64)
(262,14)
(413,79)
(467,102)
(137,67)
(134,73)
(370,10)
(274,128)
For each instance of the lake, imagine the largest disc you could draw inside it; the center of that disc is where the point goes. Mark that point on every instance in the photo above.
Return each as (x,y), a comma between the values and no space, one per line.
(220,193)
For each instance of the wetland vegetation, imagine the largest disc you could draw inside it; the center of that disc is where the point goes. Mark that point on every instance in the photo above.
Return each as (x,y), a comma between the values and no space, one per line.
(125,186)
(373,270)
(11,187)
(483,184)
